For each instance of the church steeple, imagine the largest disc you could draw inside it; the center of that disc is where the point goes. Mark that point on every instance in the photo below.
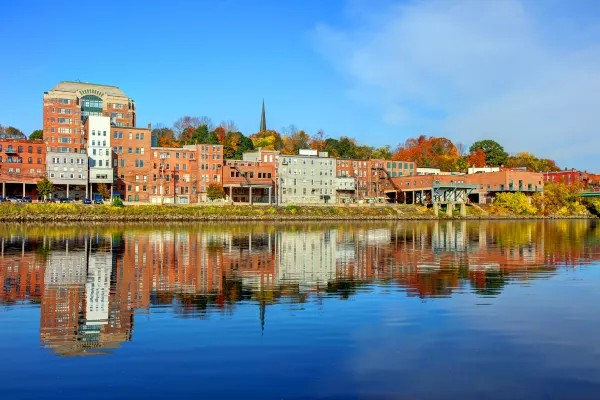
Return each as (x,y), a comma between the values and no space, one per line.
(263,120)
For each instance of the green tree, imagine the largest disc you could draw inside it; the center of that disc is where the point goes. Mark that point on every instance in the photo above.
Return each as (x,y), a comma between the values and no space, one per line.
(494,152)
(215,191)
(45,188)
(382,153)
(38,134)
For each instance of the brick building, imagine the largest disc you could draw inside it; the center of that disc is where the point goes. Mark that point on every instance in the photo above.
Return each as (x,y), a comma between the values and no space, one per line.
(132,162)
(249,182)
(22,165)
(573,177)
(71,135)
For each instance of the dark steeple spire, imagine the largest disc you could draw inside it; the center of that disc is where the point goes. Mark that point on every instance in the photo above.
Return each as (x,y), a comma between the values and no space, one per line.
(263,120)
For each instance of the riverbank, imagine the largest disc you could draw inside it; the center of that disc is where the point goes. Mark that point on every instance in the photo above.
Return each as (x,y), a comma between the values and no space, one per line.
(54,213)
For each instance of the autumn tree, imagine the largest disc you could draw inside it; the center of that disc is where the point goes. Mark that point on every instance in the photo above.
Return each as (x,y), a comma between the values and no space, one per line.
(11,132)
(494,152)
(165,137)
(220,133)
(182,126)
(476,159)
(317,141)
(38,134)
(235,145)
(215,191)
(429,152)
(294,141)
(103,190)
(267,140)
(228,126)
(531,162)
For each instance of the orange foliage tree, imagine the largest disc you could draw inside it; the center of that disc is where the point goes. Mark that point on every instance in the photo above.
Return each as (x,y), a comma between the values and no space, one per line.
(429,152)
(476,159)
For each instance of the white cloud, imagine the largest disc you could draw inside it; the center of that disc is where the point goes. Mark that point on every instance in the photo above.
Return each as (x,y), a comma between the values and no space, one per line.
(481,69)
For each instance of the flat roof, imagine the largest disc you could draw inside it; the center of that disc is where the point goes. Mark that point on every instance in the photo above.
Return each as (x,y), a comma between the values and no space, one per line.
(70,86)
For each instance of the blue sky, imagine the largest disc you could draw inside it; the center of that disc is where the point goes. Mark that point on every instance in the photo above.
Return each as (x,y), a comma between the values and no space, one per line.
(523,73)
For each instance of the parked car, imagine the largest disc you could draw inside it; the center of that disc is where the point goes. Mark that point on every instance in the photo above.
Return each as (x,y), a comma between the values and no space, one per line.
(51,200)
(98,201)
(26,199)
(87,201)
(1,199)
(66,200)
(14,199)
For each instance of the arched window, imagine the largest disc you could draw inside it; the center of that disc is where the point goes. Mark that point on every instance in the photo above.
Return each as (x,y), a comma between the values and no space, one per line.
(91,105)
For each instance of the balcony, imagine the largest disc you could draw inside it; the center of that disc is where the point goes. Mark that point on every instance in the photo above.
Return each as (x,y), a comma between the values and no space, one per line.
(11,150)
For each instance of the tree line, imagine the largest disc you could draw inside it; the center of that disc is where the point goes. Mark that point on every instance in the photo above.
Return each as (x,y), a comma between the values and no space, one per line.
(426,151)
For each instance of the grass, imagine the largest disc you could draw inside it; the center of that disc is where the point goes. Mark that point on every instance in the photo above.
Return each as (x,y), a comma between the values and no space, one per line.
(52,212)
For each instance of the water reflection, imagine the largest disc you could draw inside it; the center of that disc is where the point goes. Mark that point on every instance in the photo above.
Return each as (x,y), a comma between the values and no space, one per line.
(92,282)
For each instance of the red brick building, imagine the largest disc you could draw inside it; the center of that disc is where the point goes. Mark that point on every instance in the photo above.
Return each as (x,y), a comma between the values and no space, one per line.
(67,105)
(132,163)
(22,165)
(249,182)
(573,177)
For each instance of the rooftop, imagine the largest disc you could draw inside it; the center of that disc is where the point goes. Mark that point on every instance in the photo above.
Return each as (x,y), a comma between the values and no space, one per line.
(68,86)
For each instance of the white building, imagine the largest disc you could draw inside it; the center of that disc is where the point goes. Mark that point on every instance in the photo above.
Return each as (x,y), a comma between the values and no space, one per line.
(307,178)
(482,170)
(99,150)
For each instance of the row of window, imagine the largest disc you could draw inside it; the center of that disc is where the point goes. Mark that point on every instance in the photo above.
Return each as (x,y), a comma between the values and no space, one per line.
(19,149)
(19,160)
(57,160)
(260,175)
(66,111)
(64,130)
(312,182)
(320,161)
(293,191)
(53,149)
(63,175)
(391,165)
(67,121)
(119,135)
(18,171)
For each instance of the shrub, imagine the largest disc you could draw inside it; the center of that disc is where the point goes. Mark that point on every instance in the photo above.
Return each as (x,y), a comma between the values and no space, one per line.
(516,203)
(117,202)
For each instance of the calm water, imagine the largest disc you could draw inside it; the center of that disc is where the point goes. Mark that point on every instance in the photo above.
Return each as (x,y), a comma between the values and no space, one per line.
(411,310)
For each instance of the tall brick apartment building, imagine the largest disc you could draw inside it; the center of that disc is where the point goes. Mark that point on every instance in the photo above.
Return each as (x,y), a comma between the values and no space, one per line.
(70,144)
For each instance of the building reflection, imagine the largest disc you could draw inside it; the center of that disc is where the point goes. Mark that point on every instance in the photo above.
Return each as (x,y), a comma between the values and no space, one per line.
(91,284)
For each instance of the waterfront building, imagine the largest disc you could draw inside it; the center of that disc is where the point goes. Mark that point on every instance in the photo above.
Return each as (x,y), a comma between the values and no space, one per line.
(68,104)
(249,181)
(99,150)
(22,165)
(132,165)
(307,178)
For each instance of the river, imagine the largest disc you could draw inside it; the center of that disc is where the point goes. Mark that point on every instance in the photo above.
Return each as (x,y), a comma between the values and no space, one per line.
(382,310)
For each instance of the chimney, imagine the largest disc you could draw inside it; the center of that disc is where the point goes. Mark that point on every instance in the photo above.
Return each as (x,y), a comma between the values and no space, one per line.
(149,125)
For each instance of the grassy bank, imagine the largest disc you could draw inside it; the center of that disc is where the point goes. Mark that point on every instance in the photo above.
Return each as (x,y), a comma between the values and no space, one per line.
(11,212)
